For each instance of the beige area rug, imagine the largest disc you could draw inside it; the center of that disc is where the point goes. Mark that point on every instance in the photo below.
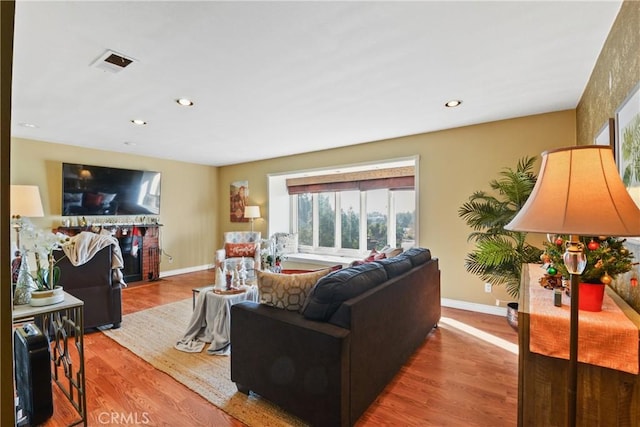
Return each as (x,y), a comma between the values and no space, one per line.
(151,334)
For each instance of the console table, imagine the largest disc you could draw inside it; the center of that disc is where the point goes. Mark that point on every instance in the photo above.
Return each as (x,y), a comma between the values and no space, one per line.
(64,324)
(605,396)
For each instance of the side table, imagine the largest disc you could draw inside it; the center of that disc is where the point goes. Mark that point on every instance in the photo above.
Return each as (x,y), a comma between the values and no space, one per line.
(606,396)
(64,324)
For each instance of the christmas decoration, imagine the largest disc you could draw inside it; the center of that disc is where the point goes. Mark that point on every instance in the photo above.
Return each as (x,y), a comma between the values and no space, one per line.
(552,270)
(609,258)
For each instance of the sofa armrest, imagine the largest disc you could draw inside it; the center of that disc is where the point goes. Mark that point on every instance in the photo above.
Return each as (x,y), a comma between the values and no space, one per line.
(296,363)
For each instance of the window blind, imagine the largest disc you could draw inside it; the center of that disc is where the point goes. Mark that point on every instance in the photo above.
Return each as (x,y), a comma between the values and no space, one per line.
(401,178)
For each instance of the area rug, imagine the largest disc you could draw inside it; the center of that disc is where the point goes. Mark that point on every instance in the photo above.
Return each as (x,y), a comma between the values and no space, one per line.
(151,335)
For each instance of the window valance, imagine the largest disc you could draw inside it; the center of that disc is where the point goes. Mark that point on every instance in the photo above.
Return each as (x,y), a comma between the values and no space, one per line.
(391,178)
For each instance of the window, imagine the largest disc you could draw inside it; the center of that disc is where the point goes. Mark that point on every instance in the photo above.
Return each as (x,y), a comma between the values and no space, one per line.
(356,212)
(351,222)
(347,210)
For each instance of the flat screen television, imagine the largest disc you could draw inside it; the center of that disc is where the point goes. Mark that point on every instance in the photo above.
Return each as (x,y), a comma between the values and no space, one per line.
(100,190)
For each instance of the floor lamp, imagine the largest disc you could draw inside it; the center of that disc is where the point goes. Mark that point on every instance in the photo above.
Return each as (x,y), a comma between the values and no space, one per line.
(252,212)
(578,192)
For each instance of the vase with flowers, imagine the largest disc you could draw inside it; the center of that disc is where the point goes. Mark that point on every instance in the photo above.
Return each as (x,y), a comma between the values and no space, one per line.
(47,275)
(606,257)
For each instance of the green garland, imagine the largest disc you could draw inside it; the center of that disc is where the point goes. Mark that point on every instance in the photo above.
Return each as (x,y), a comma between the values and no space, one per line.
(605,256)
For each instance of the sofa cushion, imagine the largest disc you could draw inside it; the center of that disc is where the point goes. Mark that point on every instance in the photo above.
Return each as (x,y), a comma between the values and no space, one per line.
(417,255)
(287,291)
(395,266)
(339,286)
(236,250)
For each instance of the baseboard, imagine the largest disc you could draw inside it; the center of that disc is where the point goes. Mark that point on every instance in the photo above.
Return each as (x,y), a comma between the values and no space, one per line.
(185,270)
(472,306)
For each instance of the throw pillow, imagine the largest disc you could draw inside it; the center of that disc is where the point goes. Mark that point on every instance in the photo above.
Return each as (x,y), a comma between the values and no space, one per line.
(287,291)
(237,250)
(391,252)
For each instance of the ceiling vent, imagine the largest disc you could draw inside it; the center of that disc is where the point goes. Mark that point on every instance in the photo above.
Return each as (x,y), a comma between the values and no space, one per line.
(112,62)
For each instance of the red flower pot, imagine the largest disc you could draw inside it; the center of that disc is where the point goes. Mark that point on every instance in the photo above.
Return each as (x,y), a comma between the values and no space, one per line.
(590,296)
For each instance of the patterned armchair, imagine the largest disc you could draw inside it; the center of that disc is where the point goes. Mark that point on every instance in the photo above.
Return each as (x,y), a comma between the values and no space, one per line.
(239,245)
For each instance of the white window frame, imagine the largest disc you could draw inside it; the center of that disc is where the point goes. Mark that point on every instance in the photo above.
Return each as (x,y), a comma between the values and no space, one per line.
(282,211)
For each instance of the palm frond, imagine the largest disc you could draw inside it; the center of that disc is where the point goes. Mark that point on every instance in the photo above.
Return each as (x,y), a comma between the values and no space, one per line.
(499,253)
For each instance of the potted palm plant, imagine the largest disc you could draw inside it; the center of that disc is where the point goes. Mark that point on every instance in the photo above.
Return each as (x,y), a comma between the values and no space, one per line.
(499,254)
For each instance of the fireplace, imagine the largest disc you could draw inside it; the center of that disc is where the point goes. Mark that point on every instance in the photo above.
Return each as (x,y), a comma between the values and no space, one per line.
(140,247)
(131,248)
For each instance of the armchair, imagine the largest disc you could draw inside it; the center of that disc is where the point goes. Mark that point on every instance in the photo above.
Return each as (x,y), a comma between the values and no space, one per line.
(93,283)
(240,245)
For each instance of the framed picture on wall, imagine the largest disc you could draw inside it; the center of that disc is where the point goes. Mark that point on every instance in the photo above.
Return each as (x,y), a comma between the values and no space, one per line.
(628,142)
(238,197)
(628,145)
(606,135)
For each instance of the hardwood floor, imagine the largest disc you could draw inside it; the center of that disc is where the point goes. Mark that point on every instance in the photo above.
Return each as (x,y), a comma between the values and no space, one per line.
(454,379)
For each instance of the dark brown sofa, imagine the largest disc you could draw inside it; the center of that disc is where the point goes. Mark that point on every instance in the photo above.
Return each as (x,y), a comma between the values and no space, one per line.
(329,372)
(93,283)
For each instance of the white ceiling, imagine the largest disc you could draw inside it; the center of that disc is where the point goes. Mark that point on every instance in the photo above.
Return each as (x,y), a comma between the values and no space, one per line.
(275,78)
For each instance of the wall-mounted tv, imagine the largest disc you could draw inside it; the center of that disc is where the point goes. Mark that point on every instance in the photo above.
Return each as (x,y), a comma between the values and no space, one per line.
(100,190)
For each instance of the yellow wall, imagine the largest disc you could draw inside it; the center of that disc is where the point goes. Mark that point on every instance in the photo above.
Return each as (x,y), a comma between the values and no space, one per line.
(188,204)
(615,74)
(195,198)
(453,164)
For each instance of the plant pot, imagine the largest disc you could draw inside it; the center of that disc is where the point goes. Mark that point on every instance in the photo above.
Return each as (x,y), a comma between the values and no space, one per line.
(590,296)
(47,297)
(512,315)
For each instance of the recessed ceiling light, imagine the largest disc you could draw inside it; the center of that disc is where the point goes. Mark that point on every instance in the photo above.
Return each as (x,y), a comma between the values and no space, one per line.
(28,125)
(129,143)
(453,103)
(185,102)
(139,122)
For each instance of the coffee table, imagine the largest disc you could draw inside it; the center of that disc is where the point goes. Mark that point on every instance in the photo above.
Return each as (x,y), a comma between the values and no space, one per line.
(211,320)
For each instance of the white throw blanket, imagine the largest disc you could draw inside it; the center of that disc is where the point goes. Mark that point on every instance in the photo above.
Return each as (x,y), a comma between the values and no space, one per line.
(211,322)
(82,247)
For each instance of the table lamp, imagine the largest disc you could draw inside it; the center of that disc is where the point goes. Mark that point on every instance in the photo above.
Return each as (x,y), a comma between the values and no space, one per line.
(252,212)
(25,202)
(578,192)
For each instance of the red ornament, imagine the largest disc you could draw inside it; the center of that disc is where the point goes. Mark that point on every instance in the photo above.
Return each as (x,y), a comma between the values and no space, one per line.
(593,245)
(559,241)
